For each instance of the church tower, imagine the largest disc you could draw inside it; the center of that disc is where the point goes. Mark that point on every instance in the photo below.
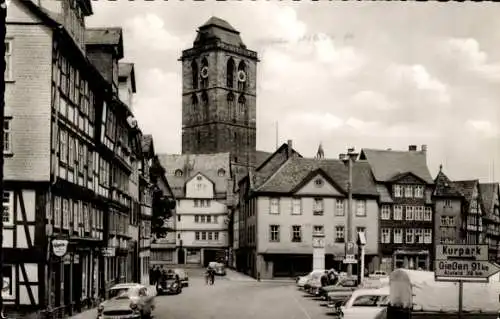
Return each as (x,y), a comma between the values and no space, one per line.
(219,84)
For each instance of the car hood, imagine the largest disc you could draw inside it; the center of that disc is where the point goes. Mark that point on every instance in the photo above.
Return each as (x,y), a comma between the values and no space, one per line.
(117,304)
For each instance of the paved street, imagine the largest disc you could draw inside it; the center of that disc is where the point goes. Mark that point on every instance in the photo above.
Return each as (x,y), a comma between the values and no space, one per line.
(234,297)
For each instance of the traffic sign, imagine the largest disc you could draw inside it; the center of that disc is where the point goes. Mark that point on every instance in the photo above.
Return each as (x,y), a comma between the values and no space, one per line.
(465,269)
(350,259)
(462,252)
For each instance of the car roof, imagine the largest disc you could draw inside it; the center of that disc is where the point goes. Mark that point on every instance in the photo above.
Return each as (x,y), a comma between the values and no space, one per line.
(127,285)
(372,291)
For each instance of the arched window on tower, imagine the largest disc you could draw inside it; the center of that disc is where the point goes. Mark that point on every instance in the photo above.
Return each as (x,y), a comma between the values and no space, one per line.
(204,101)
(204,73)
(242,76)
(230,73)
(194,74)
(241,106)
(194,103)
(231,110)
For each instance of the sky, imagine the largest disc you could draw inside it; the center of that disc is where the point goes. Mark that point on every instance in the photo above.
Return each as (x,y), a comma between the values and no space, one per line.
(344,74)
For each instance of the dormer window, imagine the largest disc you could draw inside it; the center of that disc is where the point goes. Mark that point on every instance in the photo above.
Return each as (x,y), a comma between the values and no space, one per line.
(178,173)
(221,172)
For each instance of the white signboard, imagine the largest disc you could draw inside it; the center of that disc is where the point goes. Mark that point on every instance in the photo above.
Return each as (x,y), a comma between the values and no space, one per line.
(465,269)
(350,259)
(466,252)
(59,247)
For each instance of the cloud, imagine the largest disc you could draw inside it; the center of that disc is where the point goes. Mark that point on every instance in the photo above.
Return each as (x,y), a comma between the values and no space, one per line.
(158,110)
(148,31)
(314,120)
(368,99)
(468,52)
(485,128)
(418,76)
(377,87)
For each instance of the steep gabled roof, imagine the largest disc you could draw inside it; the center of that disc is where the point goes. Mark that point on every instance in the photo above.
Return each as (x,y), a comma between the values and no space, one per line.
(488,191)
(126,70)
(192,164)
(444,187)
(386,164)
(466,187)
(296,169)
(261,157)
(112,36)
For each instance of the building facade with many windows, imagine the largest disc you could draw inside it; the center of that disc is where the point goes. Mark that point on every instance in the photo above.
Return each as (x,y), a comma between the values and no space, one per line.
(281,209)
(69,156)
(202,185)
(448,207)
(490,203)
(406,209)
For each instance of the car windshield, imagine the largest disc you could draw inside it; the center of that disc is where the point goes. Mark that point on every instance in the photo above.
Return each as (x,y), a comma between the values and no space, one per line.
(123,292)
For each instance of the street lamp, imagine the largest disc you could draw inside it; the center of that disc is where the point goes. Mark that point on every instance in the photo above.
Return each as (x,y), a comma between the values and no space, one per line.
(349,159)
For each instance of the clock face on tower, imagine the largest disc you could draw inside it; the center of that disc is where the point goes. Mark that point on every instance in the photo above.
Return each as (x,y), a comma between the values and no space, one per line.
(242,76)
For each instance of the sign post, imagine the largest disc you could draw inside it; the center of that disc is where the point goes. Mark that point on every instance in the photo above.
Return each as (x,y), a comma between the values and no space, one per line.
(463,263)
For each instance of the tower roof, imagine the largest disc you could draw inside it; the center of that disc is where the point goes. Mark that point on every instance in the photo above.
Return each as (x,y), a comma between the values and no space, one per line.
(216,29)
(218,22)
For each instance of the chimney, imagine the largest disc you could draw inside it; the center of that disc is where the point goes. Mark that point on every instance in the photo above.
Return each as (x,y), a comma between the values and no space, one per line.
(289,149)
(412,148)
(424,148)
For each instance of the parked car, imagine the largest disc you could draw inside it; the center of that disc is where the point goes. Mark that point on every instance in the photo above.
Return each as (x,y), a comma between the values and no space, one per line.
(314,283)
(183,276)
(302,281)
(346,283)
(128,300)
(220,269)
(363,304)
(169,284)
(337,298)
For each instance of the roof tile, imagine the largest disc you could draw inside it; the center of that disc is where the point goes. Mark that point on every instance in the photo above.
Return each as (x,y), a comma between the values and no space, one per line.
(191,164)
(444,187)
(296,169)
(386,164)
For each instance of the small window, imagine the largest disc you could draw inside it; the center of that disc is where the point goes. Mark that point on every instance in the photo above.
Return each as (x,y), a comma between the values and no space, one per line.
(198,178)
(221,172)
(178,173)
(7,136)
(318,182)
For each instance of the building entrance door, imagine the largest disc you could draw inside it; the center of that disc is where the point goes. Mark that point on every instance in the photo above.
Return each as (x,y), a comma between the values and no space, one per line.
(181,257)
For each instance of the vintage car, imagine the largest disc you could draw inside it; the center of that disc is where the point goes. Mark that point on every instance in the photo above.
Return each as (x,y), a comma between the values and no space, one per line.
(363,304)
(219,268)
(344,284)
(169,284)
(127,301)
(183,276)
(302,281)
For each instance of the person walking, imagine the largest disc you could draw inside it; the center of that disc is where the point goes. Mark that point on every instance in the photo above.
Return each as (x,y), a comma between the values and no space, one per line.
(212,276)
(207,275)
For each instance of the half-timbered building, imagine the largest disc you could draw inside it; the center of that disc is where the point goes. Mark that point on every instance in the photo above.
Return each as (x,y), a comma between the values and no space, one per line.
(104,47)
(67,160)
(406,215)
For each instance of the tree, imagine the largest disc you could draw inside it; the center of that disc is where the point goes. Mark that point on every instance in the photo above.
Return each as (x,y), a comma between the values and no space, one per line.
(162,210)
